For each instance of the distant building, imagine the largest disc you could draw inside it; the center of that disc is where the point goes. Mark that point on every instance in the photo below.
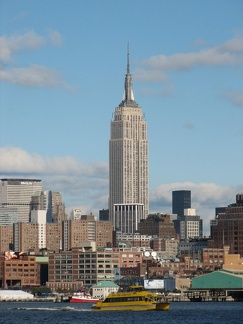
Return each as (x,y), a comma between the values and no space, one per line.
(6,238)
(104,214)
(181,199)
(159,225)
(127,216)
(39,217)
(227,228)
(43,201)
(191,226)
(8,215)
(75,214)
(17,193)
(58,208)
(133,240)
(192,248)
(86,229)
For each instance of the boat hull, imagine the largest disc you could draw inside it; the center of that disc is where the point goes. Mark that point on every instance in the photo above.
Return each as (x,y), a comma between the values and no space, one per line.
(162,306)
(118,307)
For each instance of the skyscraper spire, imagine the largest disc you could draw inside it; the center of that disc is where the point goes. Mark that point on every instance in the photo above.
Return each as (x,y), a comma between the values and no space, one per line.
(128,60)
(128,96)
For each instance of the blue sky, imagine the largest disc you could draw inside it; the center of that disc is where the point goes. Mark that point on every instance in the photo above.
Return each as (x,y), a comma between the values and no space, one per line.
(62,73)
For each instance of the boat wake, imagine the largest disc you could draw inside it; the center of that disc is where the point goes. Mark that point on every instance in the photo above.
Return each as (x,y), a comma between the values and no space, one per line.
(59,309)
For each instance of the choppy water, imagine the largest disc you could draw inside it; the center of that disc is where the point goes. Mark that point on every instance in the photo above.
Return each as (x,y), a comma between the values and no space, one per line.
(180,312)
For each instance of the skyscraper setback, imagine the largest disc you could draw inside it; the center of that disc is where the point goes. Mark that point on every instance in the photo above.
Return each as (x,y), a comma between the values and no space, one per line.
(128,162)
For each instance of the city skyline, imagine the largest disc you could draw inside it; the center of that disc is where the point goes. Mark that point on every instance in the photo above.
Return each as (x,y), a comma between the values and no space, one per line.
(62,74)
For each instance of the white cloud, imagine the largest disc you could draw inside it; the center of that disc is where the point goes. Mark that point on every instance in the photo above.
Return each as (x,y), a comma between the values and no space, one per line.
(16,160)
(34,75)
(153,69)
(13,44)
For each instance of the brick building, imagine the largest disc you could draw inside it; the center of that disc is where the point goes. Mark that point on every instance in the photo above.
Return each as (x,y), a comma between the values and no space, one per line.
(227,228)
(18,270)
(159,225)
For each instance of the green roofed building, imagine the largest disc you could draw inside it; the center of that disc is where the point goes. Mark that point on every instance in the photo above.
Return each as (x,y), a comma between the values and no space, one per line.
(218,280)
(218,285)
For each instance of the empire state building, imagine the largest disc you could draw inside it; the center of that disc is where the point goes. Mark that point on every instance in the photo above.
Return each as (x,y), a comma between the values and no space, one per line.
(128,162)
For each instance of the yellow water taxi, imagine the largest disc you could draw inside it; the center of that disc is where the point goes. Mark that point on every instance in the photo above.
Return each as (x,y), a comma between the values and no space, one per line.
(135,299)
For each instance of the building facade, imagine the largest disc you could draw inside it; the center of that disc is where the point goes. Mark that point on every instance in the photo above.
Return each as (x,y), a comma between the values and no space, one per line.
(227,228)
(191,226)
(17,193)
(78,268)
(18,271)
(128,157)
(86,229)
(159,225)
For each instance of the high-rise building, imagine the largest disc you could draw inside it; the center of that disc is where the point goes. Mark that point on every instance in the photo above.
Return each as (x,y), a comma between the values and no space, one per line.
(58,208)
(181,199)
(17,193)
(128,162)
(43,201)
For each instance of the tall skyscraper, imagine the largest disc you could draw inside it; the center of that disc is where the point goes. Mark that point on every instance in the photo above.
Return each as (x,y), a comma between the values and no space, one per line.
(17,193)
(128,162)
(181,199)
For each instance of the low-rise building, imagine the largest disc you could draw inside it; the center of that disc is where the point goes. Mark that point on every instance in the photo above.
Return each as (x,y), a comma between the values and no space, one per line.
(18,270)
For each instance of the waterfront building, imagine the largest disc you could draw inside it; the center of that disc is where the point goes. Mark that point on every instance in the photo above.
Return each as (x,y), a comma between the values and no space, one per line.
(79,268)
(17,193)
(128,162)
(18,270)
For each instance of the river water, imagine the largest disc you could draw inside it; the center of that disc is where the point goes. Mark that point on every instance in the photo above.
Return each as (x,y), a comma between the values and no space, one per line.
(180,312)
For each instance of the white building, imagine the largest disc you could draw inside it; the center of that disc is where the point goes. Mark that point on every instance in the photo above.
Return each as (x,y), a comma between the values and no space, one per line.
(75,214)
(191,225)
(128,160)
(39,217)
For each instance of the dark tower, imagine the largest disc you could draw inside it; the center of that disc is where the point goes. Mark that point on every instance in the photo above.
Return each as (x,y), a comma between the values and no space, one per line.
(181,199)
